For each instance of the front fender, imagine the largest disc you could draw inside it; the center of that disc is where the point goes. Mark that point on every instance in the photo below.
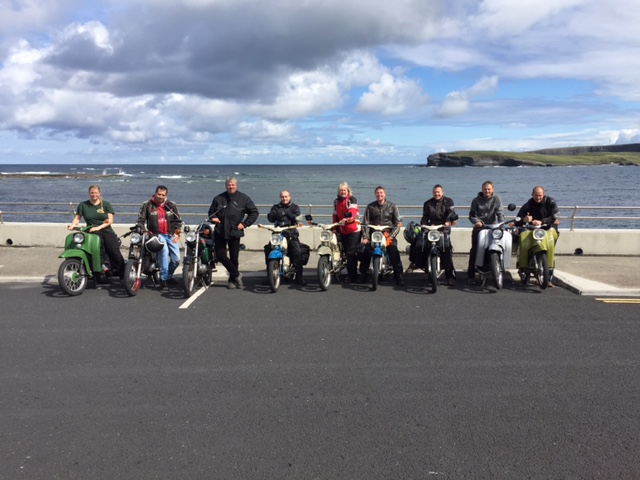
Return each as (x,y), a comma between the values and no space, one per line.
(275,255)
(324,250)
(376,252)
(82,255)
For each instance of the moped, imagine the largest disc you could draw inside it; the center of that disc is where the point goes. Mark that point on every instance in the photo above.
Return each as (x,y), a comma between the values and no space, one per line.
(381,237)
(82,260)
(279,264)
(536,253)
(429,250)
(200,258)
(143,259)
(331,256)
(493,255)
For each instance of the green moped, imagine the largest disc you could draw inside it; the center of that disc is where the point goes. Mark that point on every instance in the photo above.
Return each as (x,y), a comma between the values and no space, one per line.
(537,254)
(82,261)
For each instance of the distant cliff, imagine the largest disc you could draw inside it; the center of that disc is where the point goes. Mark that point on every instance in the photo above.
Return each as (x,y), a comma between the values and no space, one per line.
(596,155)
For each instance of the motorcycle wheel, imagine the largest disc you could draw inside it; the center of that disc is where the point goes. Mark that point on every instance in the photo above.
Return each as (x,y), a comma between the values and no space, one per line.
(131,279)
(72,276)
(189,278)
(324,273)
(542,269)
(208,277)
(433,273)
(273,272)
(376,273)
(496,270)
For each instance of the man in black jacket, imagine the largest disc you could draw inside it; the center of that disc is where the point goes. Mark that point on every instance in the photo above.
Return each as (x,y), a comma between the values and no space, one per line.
(440,210)
(161,217)
(231,211)
(284,214)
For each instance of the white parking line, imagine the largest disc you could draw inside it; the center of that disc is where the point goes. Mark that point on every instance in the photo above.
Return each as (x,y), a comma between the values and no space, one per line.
(192,299)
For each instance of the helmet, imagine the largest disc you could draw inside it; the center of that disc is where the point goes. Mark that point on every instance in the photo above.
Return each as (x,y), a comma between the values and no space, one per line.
(154,244)
(411,232)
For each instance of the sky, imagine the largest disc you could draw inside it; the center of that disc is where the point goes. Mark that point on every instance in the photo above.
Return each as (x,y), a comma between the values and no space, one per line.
(312,81)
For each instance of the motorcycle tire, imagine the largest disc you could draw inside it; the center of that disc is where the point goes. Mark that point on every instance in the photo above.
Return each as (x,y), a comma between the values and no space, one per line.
(189,278)
(496,270)
(72,276)
(433,273)
(131,279)
(324,273)
(542,270)
(208,277)
(273,273)
(376,273)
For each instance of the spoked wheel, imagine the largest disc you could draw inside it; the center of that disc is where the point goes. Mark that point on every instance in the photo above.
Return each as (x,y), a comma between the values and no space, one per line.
(376,272)
(189,278)
(324,273)
(131,278)
(496,270)
(72,276)
(542,269)
(433,273)
(273,272)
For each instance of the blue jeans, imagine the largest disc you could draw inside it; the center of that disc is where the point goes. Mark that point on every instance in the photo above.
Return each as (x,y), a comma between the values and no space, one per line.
(171,251)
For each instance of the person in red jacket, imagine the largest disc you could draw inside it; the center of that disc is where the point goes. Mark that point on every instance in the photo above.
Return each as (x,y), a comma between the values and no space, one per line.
(345,211)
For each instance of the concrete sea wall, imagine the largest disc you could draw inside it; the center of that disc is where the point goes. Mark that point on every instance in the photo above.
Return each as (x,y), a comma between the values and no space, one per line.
(580,241)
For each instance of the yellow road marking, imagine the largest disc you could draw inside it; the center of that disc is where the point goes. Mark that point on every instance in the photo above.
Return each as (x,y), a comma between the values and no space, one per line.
(619,300)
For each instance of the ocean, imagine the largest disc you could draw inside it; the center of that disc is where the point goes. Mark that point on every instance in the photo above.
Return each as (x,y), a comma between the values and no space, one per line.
(608,186)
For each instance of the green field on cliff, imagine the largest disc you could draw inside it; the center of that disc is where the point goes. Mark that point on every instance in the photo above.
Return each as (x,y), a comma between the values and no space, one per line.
(592,158)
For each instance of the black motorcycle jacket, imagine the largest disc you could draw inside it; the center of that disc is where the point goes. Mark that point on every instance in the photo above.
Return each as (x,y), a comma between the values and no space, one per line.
(438,212)
(231,211)
(376,214)
(284,215)
(149,216)
(545,211)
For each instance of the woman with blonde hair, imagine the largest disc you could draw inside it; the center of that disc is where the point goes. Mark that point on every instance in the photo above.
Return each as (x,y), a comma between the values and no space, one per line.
(98,214)
(345,211)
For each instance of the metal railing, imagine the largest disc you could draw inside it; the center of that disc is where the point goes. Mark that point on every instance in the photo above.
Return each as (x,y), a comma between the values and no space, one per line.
(62,212)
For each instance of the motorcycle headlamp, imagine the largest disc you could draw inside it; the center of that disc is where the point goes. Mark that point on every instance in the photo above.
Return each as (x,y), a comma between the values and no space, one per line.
(538,234)
(377,237)
(434,235)
(78,238)
(325,236)
(135,238)
(191,236)
(276,239)
(497,233)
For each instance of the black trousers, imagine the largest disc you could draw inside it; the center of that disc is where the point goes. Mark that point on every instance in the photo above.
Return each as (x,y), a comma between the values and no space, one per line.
(111,246)
(471,269)
(350,243)
(231,261)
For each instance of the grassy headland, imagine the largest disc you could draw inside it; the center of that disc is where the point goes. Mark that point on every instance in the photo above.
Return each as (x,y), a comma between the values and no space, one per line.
(603,155)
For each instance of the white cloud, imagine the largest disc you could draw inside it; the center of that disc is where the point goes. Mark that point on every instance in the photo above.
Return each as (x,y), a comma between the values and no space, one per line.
(458,103)
(392,96)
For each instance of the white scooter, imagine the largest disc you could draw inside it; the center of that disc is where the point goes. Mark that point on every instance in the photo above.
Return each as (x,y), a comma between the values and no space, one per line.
(493,255)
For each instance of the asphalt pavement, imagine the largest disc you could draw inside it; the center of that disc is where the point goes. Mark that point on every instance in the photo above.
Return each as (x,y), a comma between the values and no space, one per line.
(581,274)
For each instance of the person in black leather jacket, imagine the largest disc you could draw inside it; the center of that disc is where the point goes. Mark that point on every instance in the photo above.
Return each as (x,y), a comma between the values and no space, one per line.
(440,210)
(231,212)
(161,217)
(382,212)
(285,214)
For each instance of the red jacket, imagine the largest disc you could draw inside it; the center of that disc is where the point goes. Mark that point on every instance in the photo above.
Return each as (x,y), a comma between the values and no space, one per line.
(341,206)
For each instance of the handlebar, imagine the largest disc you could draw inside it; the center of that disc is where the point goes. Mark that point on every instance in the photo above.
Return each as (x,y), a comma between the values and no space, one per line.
(275,229)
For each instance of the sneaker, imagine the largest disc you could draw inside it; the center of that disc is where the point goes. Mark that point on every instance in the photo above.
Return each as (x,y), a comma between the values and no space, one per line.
(301,282)
(239,283)
(400,281)
(231,285)
(163,285)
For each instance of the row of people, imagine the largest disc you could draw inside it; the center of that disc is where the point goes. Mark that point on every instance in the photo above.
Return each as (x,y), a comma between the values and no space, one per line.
(233,211)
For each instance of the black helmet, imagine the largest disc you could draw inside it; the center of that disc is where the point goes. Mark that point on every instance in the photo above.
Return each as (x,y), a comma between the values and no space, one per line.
(154,244)
(411,232)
